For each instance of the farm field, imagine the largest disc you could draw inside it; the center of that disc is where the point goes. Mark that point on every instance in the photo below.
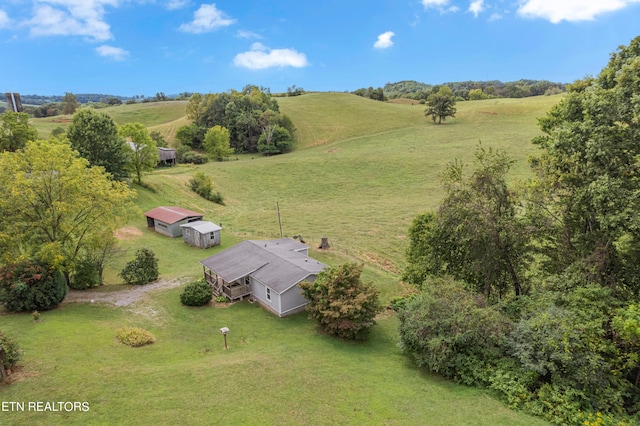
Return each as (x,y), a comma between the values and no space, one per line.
(360,174)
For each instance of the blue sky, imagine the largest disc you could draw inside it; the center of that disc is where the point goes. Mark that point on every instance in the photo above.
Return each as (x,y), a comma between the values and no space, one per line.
(141,47)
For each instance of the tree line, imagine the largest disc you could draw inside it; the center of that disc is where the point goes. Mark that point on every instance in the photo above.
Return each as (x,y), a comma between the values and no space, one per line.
(473,90)
(532,289)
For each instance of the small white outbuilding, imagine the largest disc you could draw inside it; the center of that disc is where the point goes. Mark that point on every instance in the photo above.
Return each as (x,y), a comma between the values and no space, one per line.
(201,233)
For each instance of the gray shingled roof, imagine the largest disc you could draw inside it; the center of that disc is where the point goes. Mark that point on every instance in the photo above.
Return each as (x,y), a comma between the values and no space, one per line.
(279,264)
(202,226)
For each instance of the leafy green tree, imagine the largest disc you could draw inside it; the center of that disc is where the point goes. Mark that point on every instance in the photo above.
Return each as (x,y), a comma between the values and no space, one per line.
(158,138)
(190,135)
(15,131)
(141,270)
(54,207)
(31,286)
(216,143)
(476,94)
(69,103)
(95,136)
(476,235)
(584,197)
(145,153)
(441,104)
(274,140)
(342,304)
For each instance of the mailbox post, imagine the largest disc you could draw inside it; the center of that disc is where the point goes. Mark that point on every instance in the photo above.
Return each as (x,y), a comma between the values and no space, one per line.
(224,331)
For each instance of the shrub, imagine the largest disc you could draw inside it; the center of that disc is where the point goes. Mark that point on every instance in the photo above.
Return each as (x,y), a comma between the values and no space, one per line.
(134,336)
(191,157)
(11,351)
(202,185)
(141,270)
(30,286)
(398,303)
(342,304)
(197,293)
(453,332)
(221,299)
(85,275)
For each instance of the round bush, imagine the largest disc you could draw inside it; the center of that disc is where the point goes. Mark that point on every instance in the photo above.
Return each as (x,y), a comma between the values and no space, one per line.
(197,293)
(134,336)
(31,286)
(141,270)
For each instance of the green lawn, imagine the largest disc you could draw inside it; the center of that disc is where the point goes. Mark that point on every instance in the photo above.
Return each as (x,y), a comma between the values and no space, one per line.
(276,371)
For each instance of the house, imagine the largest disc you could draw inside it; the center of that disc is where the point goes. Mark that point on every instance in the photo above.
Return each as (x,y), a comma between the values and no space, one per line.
(266,271)
(201,233)
(167,220)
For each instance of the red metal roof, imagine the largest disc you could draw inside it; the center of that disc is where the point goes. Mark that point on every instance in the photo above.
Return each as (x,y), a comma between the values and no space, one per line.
(171,214)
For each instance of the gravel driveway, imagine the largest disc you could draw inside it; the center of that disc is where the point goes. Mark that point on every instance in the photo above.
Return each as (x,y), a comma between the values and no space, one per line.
(122,297)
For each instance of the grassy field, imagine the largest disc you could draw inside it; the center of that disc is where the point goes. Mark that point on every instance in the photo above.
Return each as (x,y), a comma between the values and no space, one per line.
(276,371)
(151,114)
(362,171)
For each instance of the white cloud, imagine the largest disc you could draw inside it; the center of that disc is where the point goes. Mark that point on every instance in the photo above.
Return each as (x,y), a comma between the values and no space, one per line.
(384,40)
(115,53)
(207,18)
(441,5)
(248,34)
(434,3)
(4,19)
(476,6)
(570,10)
(495,17)
(261,57)
(177,4)
(71,18)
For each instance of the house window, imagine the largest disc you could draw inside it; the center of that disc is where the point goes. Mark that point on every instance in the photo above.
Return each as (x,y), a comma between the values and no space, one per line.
(268,294)
(187,232)
(213,236)
(161,225)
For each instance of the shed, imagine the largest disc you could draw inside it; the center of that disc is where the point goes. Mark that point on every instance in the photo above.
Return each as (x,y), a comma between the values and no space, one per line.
(167,219)
(201,234)
(267,271)
(167,156)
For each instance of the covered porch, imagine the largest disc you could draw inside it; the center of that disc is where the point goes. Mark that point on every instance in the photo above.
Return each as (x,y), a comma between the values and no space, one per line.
(234,290)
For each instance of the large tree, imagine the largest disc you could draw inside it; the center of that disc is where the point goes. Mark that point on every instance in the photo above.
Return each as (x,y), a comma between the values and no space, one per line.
(476,235)
(144,151)
(441,104)
(585,194)
(69,103)
(15,131)
(95,136)
(56,208)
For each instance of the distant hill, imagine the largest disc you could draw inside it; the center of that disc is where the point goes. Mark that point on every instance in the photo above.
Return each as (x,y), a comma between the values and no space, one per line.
(83,98)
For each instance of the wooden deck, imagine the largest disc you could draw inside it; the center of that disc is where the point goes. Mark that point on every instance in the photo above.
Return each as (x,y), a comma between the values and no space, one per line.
(232,291)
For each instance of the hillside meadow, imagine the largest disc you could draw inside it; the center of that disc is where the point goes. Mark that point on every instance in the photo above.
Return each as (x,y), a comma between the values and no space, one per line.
(361,172)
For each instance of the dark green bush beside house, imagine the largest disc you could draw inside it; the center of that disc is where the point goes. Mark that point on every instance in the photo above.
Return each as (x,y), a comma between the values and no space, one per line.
(197,293)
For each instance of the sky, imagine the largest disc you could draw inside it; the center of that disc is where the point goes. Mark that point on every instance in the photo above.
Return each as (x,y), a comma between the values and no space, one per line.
(142,47)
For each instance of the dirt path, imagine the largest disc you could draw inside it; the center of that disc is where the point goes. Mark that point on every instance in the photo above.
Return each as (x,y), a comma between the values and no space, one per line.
(120,298)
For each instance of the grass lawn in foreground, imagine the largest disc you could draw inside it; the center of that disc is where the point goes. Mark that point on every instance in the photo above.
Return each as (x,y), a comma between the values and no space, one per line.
(276,371)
